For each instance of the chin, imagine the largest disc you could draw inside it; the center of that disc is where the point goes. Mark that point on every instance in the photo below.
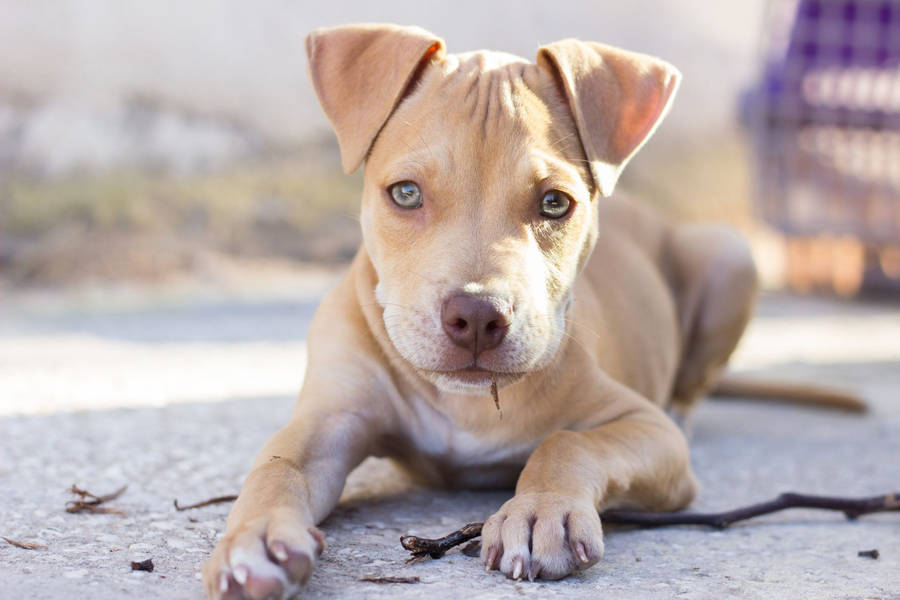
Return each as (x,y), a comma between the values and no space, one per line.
(469,382)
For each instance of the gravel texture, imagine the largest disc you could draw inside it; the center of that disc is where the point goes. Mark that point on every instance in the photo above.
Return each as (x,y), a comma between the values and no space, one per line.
(175,399)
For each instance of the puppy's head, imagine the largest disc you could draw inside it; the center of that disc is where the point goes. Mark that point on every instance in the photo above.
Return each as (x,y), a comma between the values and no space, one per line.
(482,176)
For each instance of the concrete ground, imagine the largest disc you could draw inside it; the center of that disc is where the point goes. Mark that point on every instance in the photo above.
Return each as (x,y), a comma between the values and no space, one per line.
(174,397)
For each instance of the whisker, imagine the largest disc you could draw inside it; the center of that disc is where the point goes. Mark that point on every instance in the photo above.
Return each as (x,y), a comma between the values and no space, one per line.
(586,328)
(427,146)
(555,144)
(578,342)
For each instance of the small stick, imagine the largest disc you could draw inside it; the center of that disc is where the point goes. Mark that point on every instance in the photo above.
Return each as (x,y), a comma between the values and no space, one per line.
(420,547)
(389,579)
(496,396)
(89,502)
(144,565)
(216,500)
(93,499)
(851,507)
(23,545)
(873,554)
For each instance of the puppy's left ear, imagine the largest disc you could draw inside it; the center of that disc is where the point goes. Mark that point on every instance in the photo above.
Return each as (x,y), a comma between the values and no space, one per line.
(617,98)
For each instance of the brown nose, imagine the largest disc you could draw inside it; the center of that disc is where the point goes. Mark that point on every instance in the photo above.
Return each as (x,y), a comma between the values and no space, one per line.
(474,323)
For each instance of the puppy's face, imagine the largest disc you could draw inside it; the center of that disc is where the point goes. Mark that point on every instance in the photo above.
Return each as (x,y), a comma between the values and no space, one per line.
(481,170)
(478,215)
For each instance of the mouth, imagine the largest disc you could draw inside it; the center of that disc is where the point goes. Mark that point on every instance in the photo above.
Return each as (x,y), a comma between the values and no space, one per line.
(472,375)
(471,378)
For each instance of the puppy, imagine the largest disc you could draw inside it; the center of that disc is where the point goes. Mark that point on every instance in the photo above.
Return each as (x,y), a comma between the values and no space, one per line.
(492,253)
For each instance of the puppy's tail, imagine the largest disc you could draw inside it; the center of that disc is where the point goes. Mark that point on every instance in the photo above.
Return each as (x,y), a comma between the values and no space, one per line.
(731,386)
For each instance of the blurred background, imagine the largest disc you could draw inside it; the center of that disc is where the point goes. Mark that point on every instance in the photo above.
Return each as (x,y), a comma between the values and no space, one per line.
(150,142)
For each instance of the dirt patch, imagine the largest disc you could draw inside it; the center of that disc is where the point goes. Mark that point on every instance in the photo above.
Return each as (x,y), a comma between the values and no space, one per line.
(143,226)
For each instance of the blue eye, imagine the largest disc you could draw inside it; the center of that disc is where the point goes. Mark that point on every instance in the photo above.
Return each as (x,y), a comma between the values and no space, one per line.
(555,204)
(406,194)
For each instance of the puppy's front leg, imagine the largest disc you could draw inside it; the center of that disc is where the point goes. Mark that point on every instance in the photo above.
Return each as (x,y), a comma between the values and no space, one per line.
(271,542)
(551,527)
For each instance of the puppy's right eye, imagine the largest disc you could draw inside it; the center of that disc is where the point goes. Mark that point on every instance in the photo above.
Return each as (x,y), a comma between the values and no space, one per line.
(406,194)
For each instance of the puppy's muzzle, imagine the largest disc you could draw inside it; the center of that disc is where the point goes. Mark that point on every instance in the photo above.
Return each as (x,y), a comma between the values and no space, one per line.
(474,323)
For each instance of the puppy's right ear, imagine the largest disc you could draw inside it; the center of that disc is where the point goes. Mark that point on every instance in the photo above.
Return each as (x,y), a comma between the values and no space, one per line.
(360,73)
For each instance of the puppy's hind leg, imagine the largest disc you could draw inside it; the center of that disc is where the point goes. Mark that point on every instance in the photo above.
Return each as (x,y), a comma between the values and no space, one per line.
(714,280)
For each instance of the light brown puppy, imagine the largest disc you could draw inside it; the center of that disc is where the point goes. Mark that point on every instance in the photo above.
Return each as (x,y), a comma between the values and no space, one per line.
(492,251)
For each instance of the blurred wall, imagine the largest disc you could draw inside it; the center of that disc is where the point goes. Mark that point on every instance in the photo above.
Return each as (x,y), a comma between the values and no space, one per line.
(186,85)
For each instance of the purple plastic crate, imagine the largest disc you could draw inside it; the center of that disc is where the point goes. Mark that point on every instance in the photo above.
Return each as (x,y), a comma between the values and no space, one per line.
(826,119)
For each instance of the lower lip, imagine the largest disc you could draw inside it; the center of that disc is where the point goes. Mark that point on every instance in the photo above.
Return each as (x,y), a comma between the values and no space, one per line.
(474,375)
(471,375)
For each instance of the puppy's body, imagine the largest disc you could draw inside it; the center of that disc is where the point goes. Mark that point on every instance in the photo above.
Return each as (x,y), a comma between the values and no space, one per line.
(461,440)
(592,320)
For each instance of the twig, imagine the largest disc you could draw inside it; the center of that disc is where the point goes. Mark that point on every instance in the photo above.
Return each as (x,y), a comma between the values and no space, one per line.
(216,500)
(88,502)
(873,554)
(144,565)
(496,395)
(23,545)
(389,579)
(420,547)
(851,507)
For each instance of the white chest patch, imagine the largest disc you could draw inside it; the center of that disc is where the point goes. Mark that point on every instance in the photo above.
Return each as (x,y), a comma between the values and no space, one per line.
(435,435)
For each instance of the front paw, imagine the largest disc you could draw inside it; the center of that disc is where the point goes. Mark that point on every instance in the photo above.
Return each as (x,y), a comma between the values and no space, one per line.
(269,556)
(544,535)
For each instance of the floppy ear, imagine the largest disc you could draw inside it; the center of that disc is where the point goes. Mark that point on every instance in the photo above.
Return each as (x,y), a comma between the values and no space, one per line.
(617,98)
(360,73)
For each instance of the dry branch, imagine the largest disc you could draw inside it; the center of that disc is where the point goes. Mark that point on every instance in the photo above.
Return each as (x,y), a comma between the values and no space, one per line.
(216,500)
(389,579)
(851,507)
(420,547)
(144,565)
(88,502)
(23,545)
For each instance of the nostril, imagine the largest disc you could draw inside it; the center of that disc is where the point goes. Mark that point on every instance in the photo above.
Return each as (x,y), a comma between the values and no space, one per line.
(492,326)
(460,324)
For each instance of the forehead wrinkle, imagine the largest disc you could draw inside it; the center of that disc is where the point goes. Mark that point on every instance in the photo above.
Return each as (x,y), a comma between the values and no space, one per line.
(519,120)
(515,159)
(520,112)
(486,85)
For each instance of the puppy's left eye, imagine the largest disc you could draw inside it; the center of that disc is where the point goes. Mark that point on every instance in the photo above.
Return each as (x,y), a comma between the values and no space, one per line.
(406,194)
(555,204)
